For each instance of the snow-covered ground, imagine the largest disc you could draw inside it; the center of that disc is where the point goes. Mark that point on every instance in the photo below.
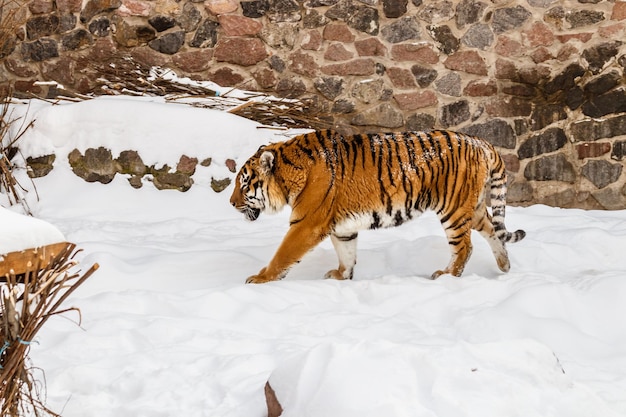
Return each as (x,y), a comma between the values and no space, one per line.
(170,329)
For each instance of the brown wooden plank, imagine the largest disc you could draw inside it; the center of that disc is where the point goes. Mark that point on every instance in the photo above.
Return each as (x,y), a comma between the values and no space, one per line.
(23,261)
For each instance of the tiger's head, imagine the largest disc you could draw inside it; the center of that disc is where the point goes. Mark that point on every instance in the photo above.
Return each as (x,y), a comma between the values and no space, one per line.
(256,189)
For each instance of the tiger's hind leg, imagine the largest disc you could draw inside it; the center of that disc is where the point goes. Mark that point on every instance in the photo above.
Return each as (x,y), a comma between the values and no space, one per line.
(345,246)
(458,232)
(482,223)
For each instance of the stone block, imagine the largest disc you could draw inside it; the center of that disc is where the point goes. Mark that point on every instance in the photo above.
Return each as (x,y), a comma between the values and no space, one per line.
(592,149)
(95,166)
(394,9)
(454,114)
(445,39)
(95,7)
(545,142)
(466,61)
(370,47)
(414,52)
(508,18)
(449,84)
(551,168)
(599,55)
(255,8)
(479,88)
(362,66)
(39,50)
(401,78)
(303,64)
(419,122)
(234,25)
(40,166)
(357,15)
(206,35)
(416,100)
(478,36)
(240,51)
(423,75)
(336,52)
(589,130)
(338,32)
(497,131)
(546,114)
(601,173)
(329,87)
(401,30)
(193,61)
(190,18)
(469,12)
(619,150)
(610,103)
(383,115)
(129,162)
(581,18)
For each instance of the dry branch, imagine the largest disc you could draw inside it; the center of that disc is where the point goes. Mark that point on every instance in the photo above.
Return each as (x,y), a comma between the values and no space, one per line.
(27,300)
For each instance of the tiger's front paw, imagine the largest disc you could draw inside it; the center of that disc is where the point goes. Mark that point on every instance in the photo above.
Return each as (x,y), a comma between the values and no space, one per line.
(258,279)
(338,274)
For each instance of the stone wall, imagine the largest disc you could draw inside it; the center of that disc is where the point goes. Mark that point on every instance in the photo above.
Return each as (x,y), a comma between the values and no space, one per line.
(542,79)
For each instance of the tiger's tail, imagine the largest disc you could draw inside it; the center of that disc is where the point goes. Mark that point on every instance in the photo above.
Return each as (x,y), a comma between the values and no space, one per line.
(498,202)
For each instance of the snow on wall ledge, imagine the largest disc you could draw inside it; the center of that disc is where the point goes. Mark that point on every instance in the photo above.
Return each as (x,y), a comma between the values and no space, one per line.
(543,80)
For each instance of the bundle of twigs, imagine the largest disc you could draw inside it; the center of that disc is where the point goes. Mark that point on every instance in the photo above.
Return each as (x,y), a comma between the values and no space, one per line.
(8,183)
(27,301)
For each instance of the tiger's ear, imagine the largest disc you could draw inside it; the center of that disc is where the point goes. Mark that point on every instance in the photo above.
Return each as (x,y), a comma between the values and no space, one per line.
(266,162)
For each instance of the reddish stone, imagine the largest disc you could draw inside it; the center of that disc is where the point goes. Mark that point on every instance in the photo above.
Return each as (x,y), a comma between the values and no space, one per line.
(506,46)
(612,31)
(195,61)
(312,40)
(418,100)
(541,55)
(265,77)
(338,32)
(481,89)
(69,6)
(103,50)
(187,165)
(40,6)
(27,87)
(218,7)
(226,77)
(506,70)
(240,51)
(364,66)
(337,52)
(414,52)
(519,90)
(592,149)
(19,68)
(401,78)
(61,71)
(303,64)
(231,165)
(538,34)
(370,47)
(566,52)
(466,61)
(234,25)
(149,57)
(619,10)
(135,8)
(508,107)
(511,162)
(582,37)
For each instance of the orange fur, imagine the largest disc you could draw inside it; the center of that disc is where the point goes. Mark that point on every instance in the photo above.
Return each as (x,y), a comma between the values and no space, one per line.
(339,185)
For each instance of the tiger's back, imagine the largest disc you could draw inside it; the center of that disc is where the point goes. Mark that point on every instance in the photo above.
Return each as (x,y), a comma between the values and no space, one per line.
(339,185)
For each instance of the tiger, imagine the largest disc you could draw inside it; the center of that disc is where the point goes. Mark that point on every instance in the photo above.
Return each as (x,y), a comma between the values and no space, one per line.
(338,185)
